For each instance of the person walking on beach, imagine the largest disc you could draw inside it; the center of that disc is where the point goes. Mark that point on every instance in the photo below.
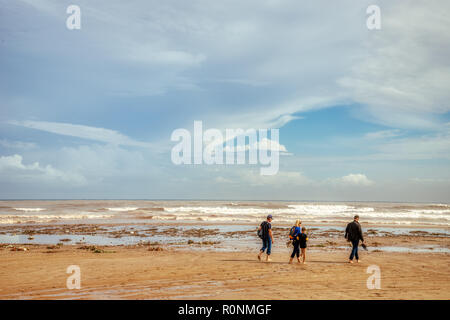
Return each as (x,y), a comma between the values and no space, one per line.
(267,237)
(294,235)
(353,233)
(303,239)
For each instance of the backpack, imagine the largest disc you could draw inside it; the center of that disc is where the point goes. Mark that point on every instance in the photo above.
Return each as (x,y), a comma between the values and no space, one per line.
(292,234)
(261,231)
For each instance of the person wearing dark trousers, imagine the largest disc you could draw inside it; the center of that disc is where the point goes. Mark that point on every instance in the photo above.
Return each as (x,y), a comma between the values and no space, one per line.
(267,238)
(295,234)
(353,233)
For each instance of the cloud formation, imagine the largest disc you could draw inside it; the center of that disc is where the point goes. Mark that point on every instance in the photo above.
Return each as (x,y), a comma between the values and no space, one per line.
(355,179)
(82,131)
(403,79)
(159,65)
(12,167)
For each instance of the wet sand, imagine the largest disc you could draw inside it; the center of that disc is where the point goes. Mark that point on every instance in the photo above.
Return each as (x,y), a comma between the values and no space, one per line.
(164,272)
(229,235)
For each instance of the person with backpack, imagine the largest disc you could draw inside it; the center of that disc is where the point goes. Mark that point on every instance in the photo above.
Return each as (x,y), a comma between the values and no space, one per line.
(265,233)
(353,233)
(294,236)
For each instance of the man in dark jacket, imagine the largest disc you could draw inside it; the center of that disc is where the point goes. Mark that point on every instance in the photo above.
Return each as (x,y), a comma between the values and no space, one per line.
(267,237)
(353,233)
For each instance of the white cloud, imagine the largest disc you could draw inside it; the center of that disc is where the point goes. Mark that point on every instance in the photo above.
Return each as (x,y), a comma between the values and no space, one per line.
(385,145)
(12,167)
(15,161)
(265,144)
(353,179)
(105,161)
(403,79)
(87,171)
(144,54)
(304,53)
(268,144)
(260,143)
(82,131)
(281,46)
(17,144)
(290,179)
(383,134)
(275,115)
(273,59)
(435,146)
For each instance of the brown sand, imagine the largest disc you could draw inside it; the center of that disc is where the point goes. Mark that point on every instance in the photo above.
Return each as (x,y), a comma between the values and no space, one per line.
(137,273)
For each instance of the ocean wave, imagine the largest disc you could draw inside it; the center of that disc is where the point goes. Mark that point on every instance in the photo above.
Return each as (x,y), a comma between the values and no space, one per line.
(122,209)
(227,211)
(9,219)
(290,210)
(287,220)
(310,212)
(431,211)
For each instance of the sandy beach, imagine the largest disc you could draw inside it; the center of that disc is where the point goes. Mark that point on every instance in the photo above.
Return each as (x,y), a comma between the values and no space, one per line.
(143,272)
(208,250)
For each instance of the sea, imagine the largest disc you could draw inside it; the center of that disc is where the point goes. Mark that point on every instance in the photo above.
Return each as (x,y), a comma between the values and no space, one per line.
(235,212)
(205,224)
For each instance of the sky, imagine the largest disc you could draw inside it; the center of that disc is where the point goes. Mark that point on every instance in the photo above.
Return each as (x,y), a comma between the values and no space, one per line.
(363,115)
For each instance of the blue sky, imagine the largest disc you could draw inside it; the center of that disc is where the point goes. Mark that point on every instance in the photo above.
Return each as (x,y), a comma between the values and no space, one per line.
(363,114)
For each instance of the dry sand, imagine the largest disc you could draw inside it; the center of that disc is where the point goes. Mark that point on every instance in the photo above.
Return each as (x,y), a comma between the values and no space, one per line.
(137,273)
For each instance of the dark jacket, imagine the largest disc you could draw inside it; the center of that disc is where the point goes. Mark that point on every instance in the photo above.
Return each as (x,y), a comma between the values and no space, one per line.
(353,232)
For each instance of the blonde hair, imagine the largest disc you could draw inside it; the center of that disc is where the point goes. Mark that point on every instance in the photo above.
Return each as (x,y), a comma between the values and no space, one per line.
(298,222)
